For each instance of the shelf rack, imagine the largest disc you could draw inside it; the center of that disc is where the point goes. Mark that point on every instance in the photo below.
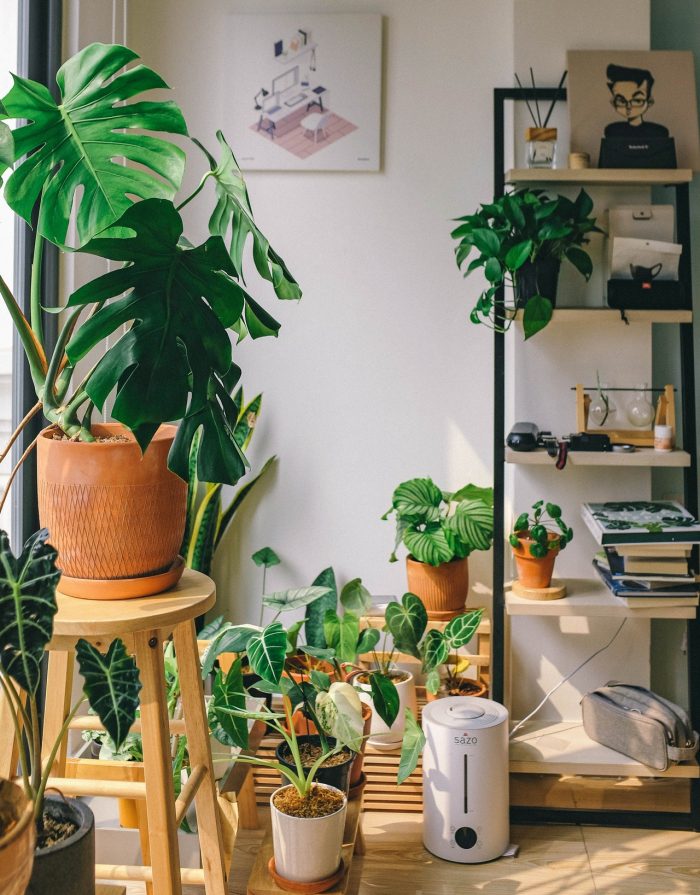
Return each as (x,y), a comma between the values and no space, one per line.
(562,748)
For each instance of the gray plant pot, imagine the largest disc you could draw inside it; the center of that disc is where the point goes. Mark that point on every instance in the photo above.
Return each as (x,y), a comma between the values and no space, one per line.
(67,868)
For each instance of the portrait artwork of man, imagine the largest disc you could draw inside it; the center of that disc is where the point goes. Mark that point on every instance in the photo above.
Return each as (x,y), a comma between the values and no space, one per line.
(631,97)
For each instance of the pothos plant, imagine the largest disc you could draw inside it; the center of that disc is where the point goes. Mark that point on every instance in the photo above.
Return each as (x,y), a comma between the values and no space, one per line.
(438,526)
(543,527)
(510,234)
(27,608)
(96,150)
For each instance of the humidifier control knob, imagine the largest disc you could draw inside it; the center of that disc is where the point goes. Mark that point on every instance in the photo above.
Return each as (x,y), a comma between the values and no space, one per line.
(465,837)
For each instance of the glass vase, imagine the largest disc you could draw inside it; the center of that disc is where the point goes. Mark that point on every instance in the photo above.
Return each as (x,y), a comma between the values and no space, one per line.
(640,411)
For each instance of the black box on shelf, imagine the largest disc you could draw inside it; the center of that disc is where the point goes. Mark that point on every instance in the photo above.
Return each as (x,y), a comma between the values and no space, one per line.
(635,152)
(652,295)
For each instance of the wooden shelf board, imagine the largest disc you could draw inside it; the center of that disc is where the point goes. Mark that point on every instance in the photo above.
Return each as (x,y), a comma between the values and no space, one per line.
(562,747)
(590,597)
(606,176)
(612,316)
(640,457)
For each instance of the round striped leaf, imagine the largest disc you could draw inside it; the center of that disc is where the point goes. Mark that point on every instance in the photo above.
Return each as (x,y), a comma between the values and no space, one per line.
(112,686)
(472,521)
(460,630)
(429,544)
(418,499)
(266,652)
(27,607)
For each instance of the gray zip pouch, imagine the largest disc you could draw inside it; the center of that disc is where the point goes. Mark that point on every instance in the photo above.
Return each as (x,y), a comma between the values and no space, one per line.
(638,723)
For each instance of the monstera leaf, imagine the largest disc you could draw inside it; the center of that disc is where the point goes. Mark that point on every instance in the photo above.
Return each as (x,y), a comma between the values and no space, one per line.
(234,214)
(27,607)
(266,652)
(112,686)
(79,144)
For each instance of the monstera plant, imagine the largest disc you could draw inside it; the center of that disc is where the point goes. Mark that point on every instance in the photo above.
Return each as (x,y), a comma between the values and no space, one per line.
(97,172)
(111,686)
(181,297)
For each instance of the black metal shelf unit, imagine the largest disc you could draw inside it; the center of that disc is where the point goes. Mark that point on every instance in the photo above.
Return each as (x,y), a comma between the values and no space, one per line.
(519,814)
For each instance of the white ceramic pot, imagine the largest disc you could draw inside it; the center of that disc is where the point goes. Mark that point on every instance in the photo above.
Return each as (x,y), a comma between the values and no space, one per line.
(307,849)
(381,736)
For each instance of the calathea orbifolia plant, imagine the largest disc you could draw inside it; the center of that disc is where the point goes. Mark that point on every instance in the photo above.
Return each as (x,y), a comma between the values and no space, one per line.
(438,526)
(96,149)
(27,609)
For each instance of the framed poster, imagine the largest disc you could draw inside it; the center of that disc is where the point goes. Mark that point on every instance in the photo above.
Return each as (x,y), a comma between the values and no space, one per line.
(639,96)
(304,91)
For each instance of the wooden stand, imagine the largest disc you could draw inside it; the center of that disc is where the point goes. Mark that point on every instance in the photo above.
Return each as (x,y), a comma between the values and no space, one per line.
(665,416)
(262,883)
(144,625)
(555,591)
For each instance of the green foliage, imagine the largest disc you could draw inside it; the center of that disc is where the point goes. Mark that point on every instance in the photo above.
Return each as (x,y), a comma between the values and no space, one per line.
(266,652)
(515,230)
(385,697)
(112,686)
(27,607)
(265,557)
(80,143)
(411,747)
(406,622)
(316,611)
(355,597)
(157,326)
(438,649)
(296,598)
(437,527)
(227,692)
(544,526)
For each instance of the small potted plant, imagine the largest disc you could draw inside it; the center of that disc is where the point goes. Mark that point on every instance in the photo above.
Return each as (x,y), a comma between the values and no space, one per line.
(64,857)
(156,328)
(521,239)
(536,539)
(308,817)
(437,651)
(440,530)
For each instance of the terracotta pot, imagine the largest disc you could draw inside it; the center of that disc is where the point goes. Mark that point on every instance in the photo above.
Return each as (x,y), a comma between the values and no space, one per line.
(443,589)
(533,571)
(356,770)
(468,687)
(111,511)
(307,849)
(17,845)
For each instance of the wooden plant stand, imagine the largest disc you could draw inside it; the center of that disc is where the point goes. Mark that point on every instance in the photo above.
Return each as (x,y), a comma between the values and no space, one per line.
(261,883)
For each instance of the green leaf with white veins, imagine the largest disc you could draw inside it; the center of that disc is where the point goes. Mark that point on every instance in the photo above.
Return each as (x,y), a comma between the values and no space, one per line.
(460,630)
(407,622)
(267,651)
(472,521)
(284,600)
(435,650)
(418,499)
(233,213)
(80,144)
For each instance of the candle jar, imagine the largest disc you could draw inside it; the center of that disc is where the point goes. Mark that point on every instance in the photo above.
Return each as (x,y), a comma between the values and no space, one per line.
(663,438)
(541,146)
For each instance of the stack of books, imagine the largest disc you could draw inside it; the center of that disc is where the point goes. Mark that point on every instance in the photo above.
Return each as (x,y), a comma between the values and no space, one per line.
(646,560)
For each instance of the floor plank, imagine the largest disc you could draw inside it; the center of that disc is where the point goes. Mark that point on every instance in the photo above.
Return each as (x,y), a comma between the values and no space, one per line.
(553,860)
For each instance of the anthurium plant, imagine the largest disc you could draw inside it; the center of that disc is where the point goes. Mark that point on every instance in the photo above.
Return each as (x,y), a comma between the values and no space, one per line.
(438,526)
(517,230)
(438,650)
(27,608)
(103,179)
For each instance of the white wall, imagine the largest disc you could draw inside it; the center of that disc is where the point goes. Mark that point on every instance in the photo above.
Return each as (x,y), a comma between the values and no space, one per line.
(377,375)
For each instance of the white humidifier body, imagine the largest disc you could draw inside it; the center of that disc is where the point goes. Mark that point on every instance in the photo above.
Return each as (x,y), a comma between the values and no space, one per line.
(465,779)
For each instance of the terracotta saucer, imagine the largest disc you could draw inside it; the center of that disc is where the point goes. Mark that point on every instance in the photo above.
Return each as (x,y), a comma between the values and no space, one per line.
(439,615)
(321,885)
(122,588)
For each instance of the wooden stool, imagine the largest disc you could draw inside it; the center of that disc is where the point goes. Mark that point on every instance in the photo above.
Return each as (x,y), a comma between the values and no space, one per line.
(144,624)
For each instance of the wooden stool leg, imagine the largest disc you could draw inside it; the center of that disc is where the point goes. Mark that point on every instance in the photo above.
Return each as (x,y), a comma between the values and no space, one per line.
(248,805)
(197,728)
(142,815)
(165,853)
(59,687)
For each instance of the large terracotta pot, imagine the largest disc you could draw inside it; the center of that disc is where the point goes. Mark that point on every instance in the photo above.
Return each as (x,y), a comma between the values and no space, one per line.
(111,511)
(533,571)
(17,845)
(443,589)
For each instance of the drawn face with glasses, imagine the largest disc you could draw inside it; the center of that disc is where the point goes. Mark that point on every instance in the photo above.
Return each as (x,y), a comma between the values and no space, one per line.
(631,100)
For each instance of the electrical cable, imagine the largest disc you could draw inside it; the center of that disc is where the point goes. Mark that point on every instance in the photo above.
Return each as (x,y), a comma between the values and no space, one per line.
(568,677)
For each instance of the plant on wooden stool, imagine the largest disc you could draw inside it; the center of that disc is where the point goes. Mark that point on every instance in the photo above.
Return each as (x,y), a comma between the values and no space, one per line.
(536,540)
(440,529)
(111,680)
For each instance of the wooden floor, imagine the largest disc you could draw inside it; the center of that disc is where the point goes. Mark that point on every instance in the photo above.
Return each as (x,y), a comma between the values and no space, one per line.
(552,860)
